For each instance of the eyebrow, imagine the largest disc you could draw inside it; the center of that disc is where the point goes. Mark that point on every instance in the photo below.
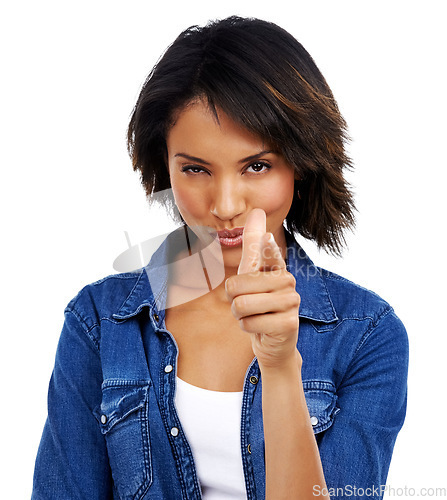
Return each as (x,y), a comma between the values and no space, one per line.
(204,162)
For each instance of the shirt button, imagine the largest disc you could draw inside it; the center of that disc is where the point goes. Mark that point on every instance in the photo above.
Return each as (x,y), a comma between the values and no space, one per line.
(249,448)
(314,421)
(156,317)
(103,419)
(168,368)
(254,380)
(174,431)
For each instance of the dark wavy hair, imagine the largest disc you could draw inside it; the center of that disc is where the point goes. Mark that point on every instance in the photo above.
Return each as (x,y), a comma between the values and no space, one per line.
(264,79)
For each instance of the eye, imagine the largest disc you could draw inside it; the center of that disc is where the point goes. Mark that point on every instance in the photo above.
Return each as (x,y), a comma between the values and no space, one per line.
(194,170)
(258,167)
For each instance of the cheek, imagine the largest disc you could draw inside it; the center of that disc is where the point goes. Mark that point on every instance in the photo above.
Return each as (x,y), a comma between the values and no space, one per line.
(277,196)
(188,201)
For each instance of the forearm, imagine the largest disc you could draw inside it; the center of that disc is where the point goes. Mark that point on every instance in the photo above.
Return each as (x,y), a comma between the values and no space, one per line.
(293,465)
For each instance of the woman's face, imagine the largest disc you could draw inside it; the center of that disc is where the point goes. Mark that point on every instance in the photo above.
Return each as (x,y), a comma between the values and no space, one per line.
(220,171)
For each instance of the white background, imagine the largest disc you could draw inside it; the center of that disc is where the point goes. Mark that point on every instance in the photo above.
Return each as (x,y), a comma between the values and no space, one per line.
(71,72)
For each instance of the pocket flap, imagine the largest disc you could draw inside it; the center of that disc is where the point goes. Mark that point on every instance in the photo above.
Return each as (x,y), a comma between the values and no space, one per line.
(120,399)
(321,402)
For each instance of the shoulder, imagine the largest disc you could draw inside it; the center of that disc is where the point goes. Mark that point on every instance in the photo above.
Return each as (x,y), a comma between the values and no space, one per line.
(363,310)
(351,300)
(103,298)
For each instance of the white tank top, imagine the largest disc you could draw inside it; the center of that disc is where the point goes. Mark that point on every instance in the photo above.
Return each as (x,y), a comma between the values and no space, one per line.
(211,421)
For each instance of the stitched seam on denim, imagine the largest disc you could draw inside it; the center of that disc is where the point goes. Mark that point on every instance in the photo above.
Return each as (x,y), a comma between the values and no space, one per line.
(363,339)
(246,423)
(319,385)
(112,320)
(327,387)
(185,445)
(133,288)
(165,411)
(327,292)
(83,324)
(119,382)
(146,450)
(371,328)
(336,277)
(334,327)
(141,409)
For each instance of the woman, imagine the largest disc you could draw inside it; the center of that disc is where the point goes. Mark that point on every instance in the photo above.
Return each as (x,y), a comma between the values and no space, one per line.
(230,366)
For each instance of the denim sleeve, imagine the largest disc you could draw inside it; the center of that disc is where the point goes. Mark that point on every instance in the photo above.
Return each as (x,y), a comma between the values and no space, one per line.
(356,450)
(72,458)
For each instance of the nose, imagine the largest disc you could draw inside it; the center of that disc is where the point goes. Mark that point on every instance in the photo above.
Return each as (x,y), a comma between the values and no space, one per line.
(227,199)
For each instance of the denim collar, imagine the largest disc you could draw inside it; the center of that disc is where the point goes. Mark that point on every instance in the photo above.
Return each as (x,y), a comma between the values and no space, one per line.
(316,303)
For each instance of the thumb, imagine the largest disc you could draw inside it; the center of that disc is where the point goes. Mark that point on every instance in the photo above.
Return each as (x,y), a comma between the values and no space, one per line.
(254,230)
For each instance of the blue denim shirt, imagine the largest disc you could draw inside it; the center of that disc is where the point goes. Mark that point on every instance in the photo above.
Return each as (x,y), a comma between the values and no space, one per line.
(113,430)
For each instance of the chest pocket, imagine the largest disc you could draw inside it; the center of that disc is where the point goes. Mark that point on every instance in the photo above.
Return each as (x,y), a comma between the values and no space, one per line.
(123,419)
(321,402)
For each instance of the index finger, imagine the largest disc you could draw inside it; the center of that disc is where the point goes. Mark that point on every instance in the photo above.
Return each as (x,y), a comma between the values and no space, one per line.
(272,258)
(254,230)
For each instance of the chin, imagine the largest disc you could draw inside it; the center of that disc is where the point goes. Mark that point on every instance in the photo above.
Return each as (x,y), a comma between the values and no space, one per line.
(232,256)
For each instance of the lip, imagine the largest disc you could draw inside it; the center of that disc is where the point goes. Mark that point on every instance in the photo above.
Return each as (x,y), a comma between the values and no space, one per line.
(230,237)
(230,233)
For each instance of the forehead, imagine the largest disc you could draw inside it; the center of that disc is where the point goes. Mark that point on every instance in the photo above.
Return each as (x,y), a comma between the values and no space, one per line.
(196,127)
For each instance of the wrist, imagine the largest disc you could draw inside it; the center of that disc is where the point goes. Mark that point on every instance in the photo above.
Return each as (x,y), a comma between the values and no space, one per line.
(285,367)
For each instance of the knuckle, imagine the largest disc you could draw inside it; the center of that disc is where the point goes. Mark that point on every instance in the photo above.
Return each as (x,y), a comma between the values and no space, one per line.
(290,300)
(230,286)
(292,322)
(243,324)
(233,311)
(248,325)
(239,305)
(291,281)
